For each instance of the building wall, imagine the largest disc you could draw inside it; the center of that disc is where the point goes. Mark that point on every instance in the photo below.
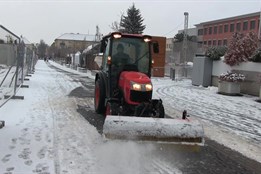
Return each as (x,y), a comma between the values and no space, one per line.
(158,69)
(191,31)
(209,37)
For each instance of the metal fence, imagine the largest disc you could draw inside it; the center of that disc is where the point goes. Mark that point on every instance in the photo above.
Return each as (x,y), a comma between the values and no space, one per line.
(17,60)
(178,71)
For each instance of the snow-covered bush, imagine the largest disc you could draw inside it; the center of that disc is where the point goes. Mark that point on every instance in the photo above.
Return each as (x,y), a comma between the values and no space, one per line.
(241,48)
(215,53)
(231,77)
(256,56)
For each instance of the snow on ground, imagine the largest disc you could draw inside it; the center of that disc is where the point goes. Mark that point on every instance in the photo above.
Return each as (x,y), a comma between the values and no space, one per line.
(230,120)
(44,134)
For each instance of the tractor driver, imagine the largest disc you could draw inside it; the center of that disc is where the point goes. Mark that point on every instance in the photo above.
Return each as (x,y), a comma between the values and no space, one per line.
(120,58)
(118,61)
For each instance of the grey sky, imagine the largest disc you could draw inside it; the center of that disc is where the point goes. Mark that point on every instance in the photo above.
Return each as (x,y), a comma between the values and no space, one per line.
(47,20)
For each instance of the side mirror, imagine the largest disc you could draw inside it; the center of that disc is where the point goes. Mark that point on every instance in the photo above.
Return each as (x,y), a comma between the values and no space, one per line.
(155,46)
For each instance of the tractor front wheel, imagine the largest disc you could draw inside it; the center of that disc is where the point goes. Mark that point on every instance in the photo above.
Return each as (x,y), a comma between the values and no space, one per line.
(99,99)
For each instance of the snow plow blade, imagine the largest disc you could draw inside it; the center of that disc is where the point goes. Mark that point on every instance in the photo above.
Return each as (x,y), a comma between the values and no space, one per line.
(154,129)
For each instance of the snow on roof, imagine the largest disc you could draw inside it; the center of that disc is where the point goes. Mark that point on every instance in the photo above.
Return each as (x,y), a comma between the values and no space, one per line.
(89,48)
(79,37)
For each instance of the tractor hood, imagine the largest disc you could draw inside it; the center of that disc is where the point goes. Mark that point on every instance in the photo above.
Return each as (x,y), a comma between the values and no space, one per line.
(127,77)
(135,86)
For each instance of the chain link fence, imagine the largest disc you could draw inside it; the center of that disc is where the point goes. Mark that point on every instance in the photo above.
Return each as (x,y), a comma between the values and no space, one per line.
(179,71)
(17,60)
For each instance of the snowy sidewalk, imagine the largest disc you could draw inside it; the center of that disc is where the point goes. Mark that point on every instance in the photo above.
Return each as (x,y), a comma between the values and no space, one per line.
(43,128)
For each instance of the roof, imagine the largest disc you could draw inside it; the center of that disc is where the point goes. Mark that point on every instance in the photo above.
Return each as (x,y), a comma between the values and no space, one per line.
(230,18)
(125,34)
(78,37)
(25,40)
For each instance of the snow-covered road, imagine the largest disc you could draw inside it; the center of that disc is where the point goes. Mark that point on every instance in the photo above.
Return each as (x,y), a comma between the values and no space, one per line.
(234,121)
(45,134)
(241,115)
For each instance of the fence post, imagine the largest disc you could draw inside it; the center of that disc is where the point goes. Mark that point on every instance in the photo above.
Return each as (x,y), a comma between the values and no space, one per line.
(20,54)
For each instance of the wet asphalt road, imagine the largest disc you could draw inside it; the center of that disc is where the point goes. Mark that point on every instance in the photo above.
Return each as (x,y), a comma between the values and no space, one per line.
(213,158)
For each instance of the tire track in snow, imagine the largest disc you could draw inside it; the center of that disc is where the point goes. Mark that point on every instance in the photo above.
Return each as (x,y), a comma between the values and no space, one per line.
(246,125)
(164,168)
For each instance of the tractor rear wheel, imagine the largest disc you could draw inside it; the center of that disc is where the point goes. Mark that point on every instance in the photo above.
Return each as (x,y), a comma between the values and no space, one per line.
(99,99)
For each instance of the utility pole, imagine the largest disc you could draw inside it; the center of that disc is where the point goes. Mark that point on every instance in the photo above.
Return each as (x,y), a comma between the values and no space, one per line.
(97,35)
(185,38)
(185,42)
(259,30)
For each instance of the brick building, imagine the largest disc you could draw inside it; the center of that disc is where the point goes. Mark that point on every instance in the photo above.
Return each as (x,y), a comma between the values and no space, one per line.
(219,32)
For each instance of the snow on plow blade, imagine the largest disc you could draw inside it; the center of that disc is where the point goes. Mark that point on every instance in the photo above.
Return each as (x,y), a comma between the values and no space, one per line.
(154,129)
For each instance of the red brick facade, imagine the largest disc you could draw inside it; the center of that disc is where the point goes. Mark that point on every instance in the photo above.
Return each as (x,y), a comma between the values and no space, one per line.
(219,32)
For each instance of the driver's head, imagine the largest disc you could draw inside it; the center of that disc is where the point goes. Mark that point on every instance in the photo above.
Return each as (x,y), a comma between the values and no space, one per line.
(120,48)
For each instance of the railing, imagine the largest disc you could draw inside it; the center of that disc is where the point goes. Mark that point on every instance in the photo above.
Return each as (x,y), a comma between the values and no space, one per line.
(16,62)
(177,72)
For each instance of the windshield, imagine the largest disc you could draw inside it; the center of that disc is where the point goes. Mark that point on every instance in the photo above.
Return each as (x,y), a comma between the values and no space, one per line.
(131,51)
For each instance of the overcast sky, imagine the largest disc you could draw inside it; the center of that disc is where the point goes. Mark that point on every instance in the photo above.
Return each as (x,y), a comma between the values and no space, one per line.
(48,19)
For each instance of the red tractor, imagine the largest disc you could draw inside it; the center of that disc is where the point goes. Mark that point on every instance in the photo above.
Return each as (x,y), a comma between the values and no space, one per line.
(123,92)
(123,86)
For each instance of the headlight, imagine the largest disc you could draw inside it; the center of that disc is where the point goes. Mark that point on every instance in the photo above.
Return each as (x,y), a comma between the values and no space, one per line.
(148,87)
(141,87)
(136,87)
(116,35)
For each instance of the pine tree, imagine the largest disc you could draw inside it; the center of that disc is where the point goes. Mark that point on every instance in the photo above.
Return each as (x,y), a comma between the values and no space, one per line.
(133,22)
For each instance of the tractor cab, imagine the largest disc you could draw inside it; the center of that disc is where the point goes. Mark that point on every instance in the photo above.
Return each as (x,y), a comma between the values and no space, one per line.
(125,52)
(125,72)
(127,49)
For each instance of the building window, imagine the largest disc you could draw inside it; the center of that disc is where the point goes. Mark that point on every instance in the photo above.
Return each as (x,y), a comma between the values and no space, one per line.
(205,42)
(200,32)
(225,42)
(215,30)
(220,30)
(238,26)
(210,30)
(219,43)
(226,28)
(252,25)
(199,44)
(214,42)
(245,25)
(232,27)
(209,43)
(205,31)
